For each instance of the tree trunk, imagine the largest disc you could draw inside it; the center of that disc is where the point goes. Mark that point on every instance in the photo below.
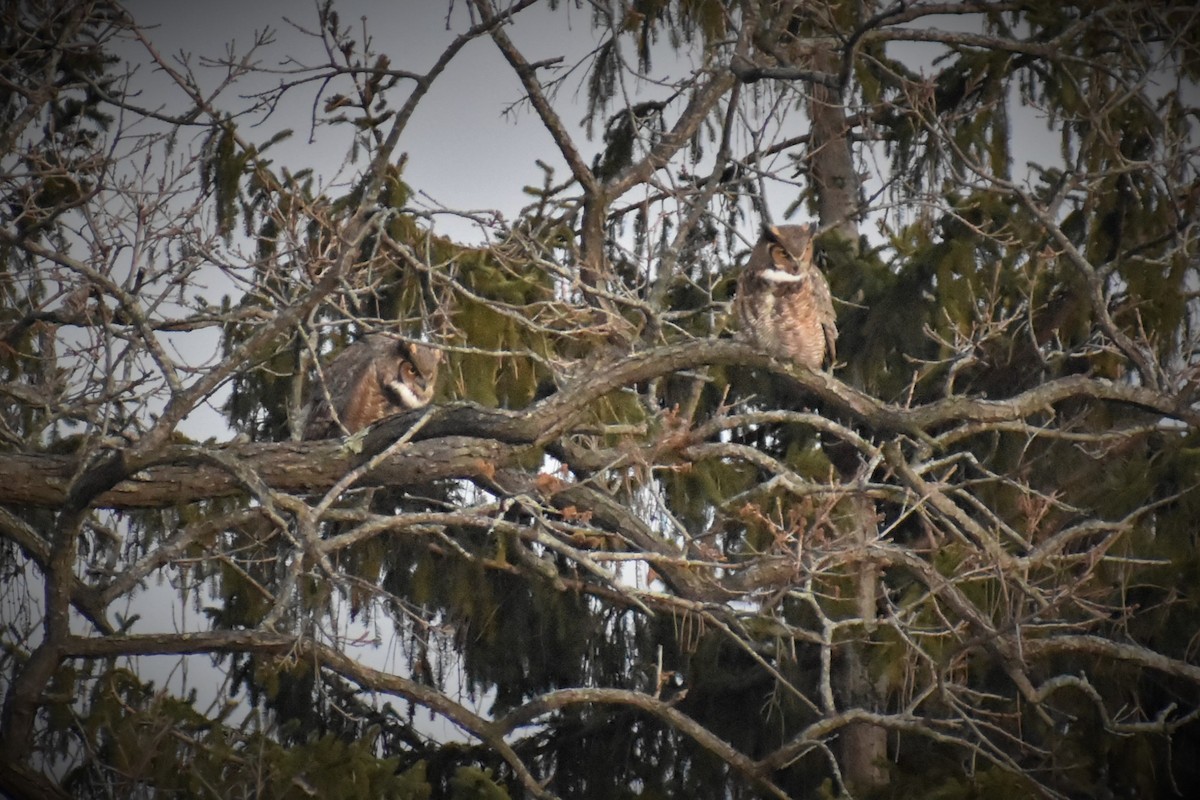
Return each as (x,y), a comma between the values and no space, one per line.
(835,183)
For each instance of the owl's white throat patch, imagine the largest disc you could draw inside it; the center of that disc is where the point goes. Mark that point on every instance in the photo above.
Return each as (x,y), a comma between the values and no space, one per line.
(404,393)
(780,276)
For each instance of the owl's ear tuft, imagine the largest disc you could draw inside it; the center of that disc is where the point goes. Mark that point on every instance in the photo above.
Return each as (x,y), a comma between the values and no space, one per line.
(807,253)
(771,233)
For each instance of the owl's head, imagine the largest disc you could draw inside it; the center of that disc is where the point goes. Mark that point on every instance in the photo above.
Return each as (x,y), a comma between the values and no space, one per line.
(416,371)
(788,248)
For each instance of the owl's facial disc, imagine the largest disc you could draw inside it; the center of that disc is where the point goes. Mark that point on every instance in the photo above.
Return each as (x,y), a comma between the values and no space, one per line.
(416,376)
(425,359)
(777,276)
(411,389)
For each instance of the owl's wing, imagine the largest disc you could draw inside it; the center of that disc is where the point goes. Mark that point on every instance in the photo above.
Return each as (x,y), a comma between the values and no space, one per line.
(831,335)
(344,380)
(823,308)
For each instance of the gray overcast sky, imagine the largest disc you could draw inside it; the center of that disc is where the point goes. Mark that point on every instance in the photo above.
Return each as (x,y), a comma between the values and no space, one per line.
(463,151)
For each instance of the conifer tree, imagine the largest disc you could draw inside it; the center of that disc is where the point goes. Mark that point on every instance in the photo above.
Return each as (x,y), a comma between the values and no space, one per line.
(623,553)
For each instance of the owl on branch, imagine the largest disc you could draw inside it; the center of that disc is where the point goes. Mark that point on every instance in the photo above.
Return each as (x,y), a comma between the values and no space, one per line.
(783,304)
(375,377)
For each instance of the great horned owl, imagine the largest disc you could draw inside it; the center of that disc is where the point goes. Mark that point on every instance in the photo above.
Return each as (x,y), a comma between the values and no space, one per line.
(373,378)
(783,303)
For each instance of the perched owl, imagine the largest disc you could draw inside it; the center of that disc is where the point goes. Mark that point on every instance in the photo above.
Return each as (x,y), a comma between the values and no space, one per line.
(783,303)
(373,378)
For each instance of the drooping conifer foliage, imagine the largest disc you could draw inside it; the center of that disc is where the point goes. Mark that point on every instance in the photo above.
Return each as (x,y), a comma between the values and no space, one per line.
(623,553)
